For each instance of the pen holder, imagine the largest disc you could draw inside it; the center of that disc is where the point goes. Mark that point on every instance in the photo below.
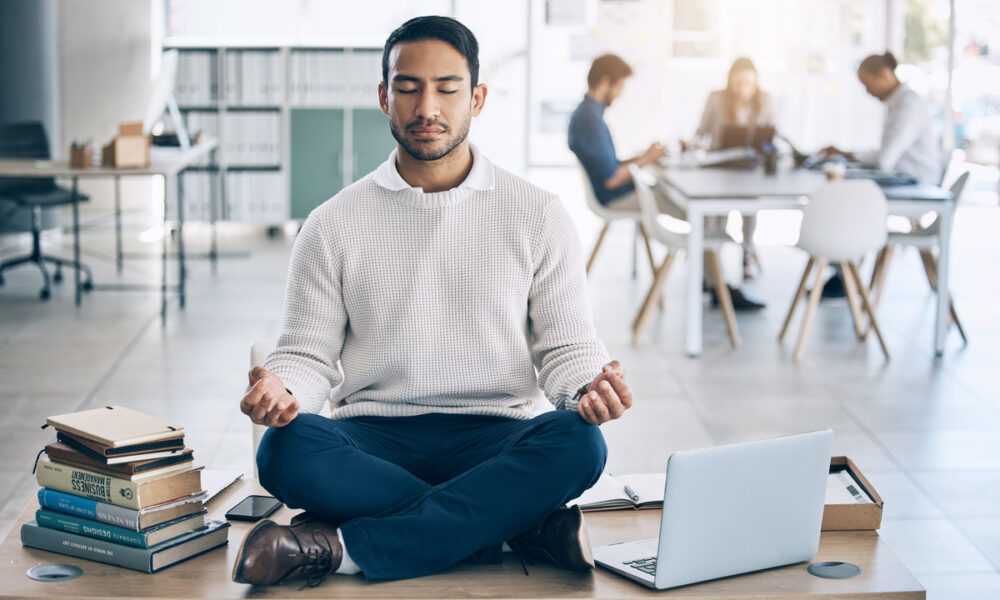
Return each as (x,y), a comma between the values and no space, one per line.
(771,163)
(80,157)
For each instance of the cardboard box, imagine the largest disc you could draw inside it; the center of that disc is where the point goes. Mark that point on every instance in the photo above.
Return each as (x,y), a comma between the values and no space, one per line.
(126,151)
(130,129)
(853,517)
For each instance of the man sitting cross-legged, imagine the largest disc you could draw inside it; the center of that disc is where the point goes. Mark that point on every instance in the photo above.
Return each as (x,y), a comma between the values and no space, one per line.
(453,295)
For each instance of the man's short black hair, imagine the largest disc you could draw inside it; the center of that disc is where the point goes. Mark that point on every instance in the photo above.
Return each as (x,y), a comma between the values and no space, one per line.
(445,29)
(610,66)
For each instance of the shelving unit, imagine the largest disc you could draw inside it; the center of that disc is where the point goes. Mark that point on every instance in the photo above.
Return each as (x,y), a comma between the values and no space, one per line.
(295,124)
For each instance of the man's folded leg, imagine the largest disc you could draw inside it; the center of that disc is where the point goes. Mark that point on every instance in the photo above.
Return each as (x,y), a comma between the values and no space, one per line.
(337,469)
(325,467)
(543,463)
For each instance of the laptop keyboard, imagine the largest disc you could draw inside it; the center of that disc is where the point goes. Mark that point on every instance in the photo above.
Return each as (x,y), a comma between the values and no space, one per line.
(646,565)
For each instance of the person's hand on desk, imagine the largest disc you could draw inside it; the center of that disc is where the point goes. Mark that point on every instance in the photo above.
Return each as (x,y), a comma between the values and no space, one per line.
(266,400)
(653,154)
(608,396)
(830,151)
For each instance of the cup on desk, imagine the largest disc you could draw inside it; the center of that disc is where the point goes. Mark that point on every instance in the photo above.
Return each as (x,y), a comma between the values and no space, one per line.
(835,170)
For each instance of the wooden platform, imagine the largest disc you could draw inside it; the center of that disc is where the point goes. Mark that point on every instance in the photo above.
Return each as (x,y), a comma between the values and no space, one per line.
(208,576)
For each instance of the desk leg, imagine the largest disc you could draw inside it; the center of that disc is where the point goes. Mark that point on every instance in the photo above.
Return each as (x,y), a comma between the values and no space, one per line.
(164,251)
(179,182)
(118,223)
(76,240)
(943,321)
(213,216)
(695,274)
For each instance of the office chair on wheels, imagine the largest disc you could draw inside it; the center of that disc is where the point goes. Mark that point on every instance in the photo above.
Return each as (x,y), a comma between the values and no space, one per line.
(28,141)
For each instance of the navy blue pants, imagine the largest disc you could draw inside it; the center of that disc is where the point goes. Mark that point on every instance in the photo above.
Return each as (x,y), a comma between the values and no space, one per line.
(414,495)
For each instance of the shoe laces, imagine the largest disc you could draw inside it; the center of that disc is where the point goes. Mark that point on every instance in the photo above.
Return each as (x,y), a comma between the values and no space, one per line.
(521,544)
(521,557)
(318,561)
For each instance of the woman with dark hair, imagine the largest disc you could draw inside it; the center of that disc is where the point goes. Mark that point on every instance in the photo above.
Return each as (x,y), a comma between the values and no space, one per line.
(742,103)
(910,144)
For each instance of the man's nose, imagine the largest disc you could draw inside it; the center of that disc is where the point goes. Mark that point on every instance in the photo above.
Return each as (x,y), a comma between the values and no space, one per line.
(428,106)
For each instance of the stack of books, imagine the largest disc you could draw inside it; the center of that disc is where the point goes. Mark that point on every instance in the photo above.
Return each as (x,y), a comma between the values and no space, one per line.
(119,487)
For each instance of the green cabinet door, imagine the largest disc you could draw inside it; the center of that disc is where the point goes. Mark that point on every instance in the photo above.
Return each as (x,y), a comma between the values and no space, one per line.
(317,150)
(372,140)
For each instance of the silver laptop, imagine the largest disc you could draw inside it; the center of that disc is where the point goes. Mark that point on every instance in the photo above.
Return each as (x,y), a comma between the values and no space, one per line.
(732,509)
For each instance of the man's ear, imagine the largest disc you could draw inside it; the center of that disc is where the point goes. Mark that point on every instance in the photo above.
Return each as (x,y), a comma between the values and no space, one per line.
(383,97)
(478,99)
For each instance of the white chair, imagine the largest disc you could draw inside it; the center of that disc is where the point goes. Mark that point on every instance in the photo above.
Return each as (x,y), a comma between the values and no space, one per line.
(842,222)
(675,243)
(609,215)
(926,241)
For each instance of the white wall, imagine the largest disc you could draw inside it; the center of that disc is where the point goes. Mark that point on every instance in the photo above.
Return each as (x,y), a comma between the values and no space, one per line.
(104,78)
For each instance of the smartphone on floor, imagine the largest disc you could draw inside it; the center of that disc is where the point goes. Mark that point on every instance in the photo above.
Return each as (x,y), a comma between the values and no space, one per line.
(253,508)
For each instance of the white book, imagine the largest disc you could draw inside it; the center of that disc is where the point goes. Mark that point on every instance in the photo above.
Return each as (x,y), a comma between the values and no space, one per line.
(278,82)
(336,75)
(180,83)
(213,69)
(203,77)
(295,93)
(256,68)
(320,78)
(190,78)
(312,70)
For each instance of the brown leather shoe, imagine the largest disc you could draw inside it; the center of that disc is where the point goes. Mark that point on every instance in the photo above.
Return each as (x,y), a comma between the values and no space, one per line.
(561,539)
(272,553)
(302,517)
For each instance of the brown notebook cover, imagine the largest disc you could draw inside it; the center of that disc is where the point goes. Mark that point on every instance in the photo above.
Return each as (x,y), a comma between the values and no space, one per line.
(109,455)
(116,426)
(63,453)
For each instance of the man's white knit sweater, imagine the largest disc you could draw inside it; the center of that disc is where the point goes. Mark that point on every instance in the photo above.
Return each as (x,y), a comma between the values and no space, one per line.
(441,302)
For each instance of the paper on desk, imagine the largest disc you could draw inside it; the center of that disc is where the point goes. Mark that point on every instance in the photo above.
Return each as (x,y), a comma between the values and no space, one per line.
(606,489)
(841,488)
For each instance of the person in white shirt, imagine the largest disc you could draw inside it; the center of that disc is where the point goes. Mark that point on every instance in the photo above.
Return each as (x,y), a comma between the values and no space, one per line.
(742,103)
(910,143)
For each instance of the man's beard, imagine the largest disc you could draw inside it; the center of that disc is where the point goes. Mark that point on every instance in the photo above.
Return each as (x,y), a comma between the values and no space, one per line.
(419,153)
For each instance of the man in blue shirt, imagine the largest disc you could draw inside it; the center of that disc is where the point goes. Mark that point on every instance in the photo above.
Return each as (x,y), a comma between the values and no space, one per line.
(590,139)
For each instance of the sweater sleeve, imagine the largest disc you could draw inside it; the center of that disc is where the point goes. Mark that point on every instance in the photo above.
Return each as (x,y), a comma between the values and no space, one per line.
(902,129)
(313,321)
(564,344)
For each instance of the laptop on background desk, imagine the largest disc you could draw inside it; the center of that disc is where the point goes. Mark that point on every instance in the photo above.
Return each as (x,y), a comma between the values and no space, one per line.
(738,136)
(730,510)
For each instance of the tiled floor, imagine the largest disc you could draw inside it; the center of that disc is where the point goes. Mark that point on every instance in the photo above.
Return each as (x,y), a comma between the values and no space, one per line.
(925,430)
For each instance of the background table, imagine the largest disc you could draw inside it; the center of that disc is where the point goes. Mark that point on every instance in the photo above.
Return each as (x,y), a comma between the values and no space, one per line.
(168,163)
(208,576)
(707,192)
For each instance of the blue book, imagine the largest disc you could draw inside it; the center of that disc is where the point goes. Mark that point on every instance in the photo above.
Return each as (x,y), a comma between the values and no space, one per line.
(119,516)
(119,535)
(149,560)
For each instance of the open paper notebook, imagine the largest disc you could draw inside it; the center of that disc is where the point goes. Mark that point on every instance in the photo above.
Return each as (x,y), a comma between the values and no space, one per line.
(609,492)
